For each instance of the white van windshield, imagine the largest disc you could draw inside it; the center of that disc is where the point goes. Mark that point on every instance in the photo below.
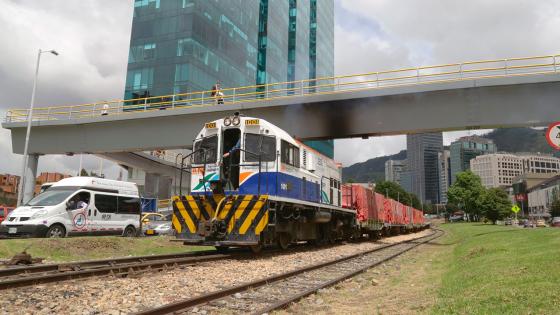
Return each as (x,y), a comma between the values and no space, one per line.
(51,197)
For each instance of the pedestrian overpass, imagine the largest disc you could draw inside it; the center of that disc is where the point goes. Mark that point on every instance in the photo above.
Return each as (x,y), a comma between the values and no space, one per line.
(470,95)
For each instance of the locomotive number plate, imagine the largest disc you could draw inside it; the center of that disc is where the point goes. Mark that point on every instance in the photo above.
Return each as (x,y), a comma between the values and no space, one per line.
(211,125)
(252,122)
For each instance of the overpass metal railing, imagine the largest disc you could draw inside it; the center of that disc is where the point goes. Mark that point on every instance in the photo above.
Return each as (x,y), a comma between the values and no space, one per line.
(327,85)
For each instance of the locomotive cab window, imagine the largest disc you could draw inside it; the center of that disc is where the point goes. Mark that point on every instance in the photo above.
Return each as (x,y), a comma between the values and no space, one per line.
(262,145)
(290,154)
(209,146)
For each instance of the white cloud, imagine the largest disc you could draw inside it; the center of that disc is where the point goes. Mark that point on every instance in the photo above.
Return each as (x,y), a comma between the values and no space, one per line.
(92,37)
(398,34)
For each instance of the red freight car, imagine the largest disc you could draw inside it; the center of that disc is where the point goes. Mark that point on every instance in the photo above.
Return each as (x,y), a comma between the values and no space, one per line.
(376,213)
(367,203)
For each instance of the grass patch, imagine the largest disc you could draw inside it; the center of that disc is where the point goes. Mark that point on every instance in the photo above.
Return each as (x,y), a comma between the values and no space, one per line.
(86,248)
(500,270)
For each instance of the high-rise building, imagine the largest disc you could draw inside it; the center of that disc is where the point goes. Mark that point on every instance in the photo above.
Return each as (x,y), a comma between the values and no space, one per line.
(540,163)
(444,175)
(422,165)
(542,196)
(500,169)
(181,46)
(393,170)
(465,149)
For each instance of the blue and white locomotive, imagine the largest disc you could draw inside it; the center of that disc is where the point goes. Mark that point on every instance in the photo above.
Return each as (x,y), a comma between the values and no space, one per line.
(252,184)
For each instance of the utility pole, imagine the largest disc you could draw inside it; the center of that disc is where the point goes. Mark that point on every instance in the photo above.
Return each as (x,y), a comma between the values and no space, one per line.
(28,133)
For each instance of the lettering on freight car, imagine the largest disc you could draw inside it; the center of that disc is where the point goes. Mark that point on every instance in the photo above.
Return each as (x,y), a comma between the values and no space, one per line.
(105,217)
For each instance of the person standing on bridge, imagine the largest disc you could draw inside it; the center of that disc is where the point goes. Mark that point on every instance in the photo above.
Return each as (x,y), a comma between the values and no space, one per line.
(105,110)
(217,93)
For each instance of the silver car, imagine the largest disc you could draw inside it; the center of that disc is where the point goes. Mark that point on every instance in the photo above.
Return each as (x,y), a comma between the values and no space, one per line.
(156,224)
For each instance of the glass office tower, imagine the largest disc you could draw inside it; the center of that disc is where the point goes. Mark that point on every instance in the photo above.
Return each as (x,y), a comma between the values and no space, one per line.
(180,46)
(422,175)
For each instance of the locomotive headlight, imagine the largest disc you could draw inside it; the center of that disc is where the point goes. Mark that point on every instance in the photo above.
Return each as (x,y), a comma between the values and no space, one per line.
(236,121)
(227,121)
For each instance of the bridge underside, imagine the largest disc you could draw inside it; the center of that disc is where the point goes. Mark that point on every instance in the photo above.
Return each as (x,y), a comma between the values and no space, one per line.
(474,104)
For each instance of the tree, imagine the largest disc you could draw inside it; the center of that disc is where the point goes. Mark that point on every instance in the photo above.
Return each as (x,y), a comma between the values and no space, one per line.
(415,201)
(429,208)
(466,192)
(83,172)
(495,204)
(395,191)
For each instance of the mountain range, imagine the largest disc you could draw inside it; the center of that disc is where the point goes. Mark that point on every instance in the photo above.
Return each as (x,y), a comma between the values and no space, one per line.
(513,140)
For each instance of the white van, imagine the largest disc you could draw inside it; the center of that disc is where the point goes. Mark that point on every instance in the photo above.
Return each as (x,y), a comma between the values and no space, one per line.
(78,206)
(45,186)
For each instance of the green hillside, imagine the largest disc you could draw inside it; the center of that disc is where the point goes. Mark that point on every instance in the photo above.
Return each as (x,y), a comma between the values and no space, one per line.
(520,140)
(372,170)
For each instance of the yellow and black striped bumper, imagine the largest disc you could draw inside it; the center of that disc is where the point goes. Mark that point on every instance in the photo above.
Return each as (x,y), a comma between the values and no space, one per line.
(233,220)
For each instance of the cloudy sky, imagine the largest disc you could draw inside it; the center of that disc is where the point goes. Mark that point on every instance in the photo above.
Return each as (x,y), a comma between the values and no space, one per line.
(92,37)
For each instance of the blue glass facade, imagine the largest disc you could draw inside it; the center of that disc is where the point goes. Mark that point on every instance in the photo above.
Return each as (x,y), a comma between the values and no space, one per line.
(180,46)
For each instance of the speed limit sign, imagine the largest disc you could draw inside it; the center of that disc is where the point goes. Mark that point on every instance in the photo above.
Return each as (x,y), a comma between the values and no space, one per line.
(553,135)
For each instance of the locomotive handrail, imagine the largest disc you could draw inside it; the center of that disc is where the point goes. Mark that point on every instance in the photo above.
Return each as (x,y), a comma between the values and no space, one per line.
(190,166)
(451,72)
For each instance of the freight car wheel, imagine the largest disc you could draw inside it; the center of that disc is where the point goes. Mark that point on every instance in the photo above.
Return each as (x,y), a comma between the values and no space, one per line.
(283,240)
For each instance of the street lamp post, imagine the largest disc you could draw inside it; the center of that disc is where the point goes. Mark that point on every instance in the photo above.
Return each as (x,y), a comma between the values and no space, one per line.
(29,120)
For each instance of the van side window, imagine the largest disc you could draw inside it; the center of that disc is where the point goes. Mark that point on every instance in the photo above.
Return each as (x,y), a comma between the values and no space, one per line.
(80,199)
(106,203)
(129,205)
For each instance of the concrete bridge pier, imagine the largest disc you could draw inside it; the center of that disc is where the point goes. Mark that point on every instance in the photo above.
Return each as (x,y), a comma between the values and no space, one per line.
(30,176)
(155,186)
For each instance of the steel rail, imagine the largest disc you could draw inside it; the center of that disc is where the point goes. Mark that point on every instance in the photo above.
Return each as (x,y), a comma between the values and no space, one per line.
(185,304)
(16,270)
(121,269)
(286,302)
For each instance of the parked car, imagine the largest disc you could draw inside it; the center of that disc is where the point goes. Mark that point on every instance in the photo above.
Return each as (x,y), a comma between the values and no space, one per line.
(156,224)
(541,223)
(507,221)
(555,222)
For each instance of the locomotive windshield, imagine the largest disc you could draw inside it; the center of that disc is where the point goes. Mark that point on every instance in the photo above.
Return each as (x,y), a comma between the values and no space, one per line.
(209,146)
(259,144)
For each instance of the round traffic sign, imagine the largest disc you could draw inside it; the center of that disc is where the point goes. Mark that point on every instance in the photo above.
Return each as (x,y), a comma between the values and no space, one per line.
(553,135)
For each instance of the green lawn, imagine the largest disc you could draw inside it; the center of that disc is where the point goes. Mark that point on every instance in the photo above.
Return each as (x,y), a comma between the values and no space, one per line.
(86,248)
(500,270)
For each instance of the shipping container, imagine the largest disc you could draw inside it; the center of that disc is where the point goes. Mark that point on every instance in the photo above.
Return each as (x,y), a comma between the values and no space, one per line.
(361,199)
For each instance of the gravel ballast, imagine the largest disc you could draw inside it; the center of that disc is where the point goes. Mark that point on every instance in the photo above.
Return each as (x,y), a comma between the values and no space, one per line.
(112,295)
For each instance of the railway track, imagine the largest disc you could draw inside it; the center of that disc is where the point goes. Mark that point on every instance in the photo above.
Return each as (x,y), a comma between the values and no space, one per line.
(13,277)
(276,292)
